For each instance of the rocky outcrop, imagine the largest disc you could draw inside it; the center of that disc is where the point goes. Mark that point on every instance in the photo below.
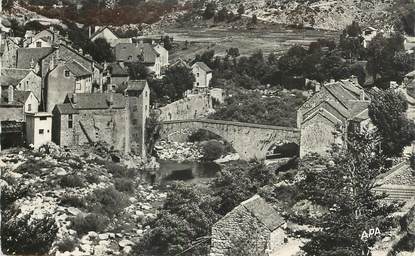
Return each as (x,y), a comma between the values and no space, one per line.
(64,184)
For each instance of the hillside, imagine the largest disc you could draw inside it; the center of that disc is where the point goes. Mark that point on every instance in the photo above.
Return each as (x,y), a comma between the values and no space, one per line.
(320,14)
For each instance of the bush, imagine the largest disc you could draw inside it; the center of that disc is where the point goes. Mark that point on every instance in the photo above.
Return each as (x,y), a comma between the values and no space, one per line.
(73,200)
(124,185)
(107,201)
(71,181)
(92,178)
(91,222)
(24,235)
(13,192)
(67,244)
(212,150)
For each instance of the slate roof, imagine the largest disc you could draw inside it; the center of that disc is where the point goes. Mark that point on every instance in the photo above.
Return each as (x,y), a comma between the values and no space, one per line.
(136,85)
(124,51)
(20,97)
(263,212)
(95,100)
(338,91)
(203,66)
(77,69)
(25,55)
(13,76)
(116,69)
(66,109)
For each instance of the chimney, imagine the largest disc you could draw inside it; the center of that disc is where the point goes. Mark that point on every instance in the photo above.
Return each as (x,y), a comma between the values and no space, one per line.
(354,80)
(332,80)
(90,31)
(32,64)
(10,94)
(80,51)
(110,99)
(74,98)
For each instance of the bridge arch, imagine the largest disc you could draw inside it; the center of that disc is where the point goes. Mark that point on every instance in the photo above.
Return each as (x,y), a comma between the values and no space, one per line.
(250,141)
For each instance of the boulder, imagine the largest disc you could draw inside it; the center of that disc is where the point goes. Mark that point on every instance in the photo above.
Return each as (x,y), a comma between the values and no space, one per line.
(124,243)
(60,171)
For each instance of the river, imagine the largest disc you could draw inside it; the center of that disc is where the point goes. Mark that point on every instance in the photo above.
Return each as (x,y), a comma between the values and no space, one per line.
(189,172)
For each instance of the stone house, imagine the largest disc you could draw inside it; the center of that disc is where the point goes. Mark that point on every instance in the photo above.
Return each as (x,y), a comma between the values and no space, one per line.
(164,54)
(110,117)
(14,104)
(81,63)
(139,52)
(368,34)
(326,118)
(253,220)
(107,34)
(39,43)
(66,77)
(8,51)
(38,128)
(22,80)
(45,38)
(203,75)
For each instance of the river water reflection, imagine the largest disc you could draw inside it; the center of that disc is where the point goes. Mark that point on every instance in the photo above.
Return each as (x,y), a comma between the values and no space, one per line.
(189,172)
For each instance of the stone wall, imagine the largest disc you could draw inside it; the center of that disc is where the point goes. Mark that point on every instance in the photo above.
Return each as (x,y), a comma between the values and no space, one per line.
(107,125)
(191,107)
(235,227)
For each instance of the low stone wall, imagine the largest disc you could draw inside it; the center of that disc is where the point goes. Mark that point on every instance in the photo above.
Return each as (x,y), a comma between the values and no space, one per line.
(191,107)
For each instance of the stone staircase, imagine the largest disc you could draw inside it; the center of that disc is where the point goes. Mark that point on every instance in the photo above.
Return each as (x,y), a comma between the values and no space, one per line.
(395,192)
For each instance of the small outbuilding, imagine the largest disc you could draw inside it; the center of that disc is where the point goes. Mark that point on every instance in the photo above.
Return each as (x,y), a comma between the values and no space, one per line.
(253,221)
(38,128)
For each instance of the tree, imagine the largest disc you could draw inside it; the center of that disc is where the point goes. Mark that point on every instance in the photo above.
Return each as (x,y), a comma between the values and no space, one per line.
(387,111)
(241,9)
(100,51)
(7,4)
(209,11)
(138,71)
(212,150)
(167,43)
(345,187)
(222,15)
(233,52)
(187,214)
(254,19)
(179,79)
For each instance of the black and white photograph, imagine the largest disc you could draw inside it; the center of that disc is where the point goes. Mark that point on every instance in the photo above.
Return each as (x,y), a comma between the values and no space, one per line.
(207,127)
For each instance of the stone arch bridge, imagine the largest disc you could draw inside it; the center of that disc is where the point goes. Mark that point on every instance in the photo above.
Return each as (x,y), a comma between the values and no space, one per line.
(251,141)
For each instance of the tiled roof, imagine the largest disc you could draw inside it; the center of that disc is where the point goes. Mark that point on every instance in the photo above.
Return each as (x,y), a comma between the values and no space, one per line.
(77,69)
(96,100)
(135,51)
(66,109)
(20,97)
(116,69)
(136,85)
(13,76)
(263,212)
(344,96)
(26,55)
(203,66)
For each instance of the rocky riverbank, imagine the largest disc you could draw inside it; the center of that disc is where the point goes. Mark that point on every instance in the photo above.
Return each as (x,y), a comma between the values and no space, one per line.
(75,202)
(179,151)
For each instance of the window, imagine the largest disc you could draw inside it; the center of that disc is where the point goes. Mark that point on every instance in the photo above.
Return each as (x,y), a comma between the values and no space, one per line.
(130,57)
(70,121)
(67,73)
(38,44)
(42,118)
(197,74)
(41,131)
(197,83)
(146,94)
(77,85)
(145,107)
(134,121)
(135,108)
(29,107)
